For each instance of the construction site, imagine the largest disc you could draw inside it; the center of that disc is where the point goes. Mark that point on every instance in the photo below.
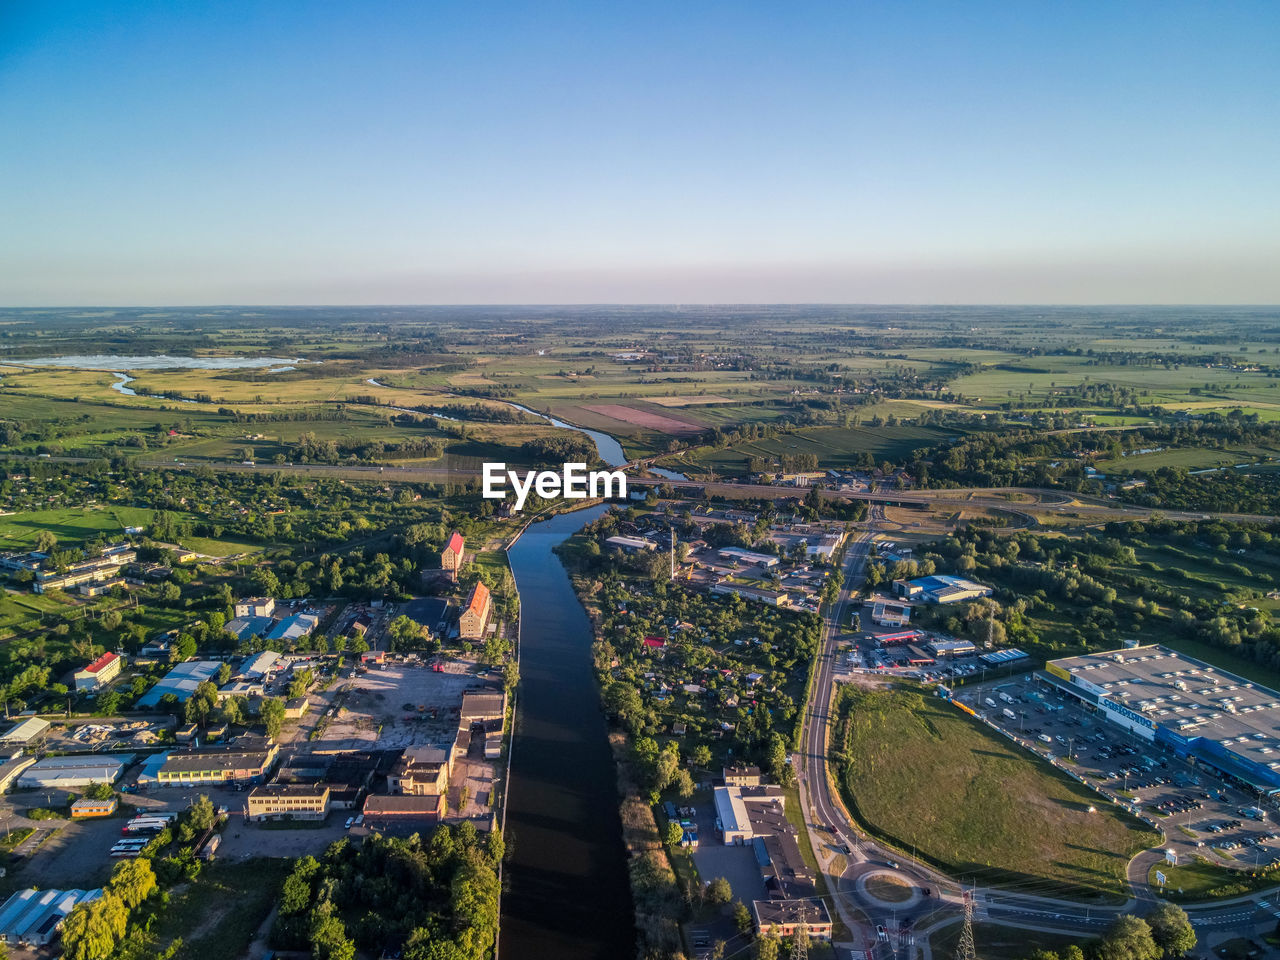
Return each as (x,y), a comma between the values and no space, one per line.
(396,705)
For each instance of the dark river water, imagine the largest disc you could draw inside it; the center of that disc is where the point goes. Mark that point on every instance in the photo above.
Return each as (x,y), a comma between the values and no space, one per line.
(567,895)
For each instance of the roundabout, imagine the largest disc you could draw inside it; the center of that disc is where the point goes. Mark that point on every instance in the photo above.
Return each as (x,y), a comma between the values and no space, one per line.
(888,889)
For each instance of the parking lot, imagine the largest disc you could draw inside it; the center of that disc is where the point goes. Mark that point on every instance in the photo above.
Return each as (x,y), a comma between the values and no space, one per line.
(1199,811)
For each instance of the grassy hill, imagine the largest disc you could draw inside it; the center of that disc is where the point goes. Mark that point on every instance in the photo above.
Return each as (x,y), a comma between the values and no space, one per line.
(922,775)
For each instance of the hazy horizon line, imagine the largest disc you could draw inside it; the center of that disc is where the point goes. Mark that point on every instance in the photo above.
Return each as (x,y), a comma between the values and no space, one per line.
(656,304)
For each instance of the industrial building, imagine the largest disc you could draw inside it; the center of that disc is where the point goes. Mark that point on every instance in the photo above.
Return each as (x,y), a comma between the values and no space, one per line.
(294,627)
(382,811)
(12,768)
(1001,658)
(1201,713)
(950,648)
(181,681)
(774,598)
(940,589)
(33,917)
(824,546)
(258,666)
(749,557)
(25,731)
(148,776)
(289,801)
(246,627)
(746,812)
(238,763)
(454,554)
(98,674)
(792,901)
(888,614)
(255,607)
(475,614)
(74,772)
(421,772)
(756,815)
(347,775)
(630,544)
(483,714)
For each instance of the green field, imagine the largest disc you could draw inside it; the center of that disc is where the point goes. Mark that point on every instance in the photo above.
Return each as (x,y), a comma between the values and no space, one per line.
(1187,458)
(23,611)
(835,447)
(219,548)
(18,531)
(925,777)
(1185,386)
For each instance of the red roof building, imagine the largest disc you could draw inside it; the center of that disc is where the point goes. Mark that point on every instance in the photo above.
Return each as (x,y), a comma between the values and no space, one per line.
(99,673)
(453,553)
(655,642)
(475,615)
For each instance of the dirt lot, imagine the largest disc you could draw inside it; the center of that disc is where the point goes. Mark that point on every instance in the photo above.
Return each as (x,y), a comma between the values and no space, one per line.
(380,708)
(649,421)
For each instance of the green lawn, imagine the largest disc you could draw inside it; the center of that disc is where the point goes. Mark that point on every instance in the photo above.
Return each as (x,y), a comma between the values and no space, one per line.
(219,548)
(18,531)
(22,611)
(1203,880)
(924,776)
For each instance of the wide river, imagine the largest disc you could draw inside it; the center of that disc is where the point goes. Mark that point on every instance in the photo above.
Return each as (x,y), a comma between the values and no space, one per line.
(567,892)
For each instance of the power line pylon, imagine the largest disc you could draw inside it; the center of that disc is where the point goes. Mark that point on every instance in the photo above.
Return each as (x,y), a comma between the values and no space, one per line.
(965,949)
(800,944)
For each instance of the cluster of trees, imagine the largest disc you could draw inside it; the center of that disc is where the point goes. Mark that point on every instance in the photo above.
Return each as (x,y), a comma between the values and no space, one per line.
(93,930)
(1104,587)
(716,634)
(310,449)
(565,447)
(1166,932)
(202,707)
(433,898)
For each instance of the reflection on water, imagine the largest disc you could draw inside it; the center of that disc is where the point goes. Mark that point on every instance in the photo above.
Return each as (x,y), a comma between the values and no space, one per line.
(667,474)
(568,895)
(608,449)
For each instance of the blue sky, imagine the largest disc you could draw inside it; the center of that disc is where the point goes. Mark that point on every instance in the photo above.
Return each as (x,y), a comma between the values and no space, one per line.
(178,152)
